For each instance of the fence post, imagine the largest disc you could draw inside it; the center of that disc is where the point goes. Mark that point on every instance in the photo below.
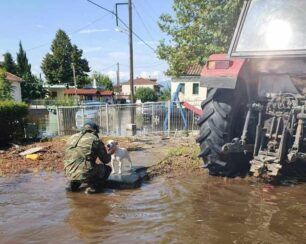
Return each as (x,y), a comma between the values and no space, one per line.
(58,121)
(83,119)
(107,125)
(100,112)
(169,117)
(192,127)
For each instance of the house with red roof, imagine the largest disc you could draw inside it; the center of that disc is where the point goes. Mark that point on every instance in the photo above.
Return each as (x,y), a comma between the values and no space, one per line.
(91,94)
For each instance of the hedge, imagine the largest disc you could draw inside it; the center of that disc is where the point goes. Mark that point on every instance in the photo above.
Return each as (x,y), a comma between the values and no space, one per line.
(12,121)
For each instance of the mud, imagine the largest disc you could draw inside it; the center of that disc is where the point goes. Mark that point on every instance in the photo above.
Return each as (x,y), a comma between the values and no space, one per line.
(51,159)
(202,209)
(181,204)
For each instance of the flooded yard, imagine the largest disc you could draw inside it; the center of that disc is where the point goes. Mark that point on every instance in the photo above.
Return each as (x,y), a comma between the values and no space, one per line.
(184,207)
(203,209)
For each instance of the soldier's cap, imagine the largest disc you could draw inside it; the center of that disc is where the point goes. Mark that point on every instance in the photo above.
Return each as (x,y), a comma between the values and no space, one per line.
(90,125)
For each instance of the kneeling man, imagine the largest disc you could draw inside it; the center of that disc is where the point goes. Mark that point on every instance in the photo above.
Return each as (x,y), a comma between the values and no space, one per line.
(82,150)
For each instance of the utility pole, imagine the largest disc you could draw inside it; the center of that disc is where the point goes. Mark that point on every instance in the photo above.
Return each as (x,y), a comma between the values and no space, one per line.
(75,84)
(131,58)
(118,76)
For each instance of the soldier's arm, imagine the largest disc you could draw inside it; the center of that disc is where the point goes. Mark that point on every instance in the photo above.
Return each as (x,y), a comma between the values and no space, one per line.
(101,152)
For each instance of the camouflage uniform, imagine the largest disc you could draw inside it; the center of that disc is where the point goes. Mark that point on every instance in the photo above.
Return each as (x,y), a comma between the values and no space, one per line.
(81,152)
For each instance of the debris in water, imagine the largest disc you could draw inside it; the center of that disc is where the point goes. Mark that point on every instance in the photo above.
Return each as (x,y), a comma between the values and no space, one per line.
(33,156)
(31,151)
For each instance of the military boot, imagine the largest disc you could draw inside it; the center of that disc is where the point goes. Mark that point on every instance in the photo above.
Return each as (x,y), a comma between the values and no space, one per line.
(73,186)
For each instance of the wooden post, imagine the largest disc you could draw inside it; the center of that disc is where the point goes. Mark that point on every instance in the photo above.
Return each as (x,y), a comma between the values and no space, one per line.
(58,121)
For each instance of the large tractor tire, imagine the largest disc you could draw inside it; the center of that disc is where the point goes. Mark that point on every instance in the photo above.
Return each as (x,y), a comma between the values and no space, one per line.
(223,118)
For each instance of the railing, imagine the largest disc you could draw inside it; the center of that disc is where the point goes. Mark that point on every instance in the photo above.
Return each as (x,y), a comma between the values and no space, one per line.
(113,119)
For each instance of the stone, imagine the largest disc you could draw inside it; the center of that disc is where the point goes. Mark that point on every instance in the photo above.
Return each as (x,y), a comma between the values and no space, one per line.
(131,129)
(128,180)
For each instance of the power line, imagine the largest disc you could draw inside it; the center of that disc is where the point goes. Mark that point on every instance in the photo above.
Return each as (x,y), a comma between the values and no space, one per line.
(143,23)
(122,22)
(71,33)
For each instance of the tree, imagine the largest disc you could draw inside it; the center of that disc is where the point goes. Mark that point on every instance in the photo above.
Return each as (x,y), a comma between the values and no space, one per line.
(57,65)
(103,80)
(165,94)
(32,88)
(146,94)
(23,66)
(198,29)
(6,88)
(9,64)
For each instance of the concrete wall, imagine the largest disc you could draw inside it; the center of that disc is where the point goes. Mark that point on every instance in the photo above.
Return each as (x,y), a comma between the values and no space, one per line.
(188,93)
(59,91)
(16,91)
(127,91)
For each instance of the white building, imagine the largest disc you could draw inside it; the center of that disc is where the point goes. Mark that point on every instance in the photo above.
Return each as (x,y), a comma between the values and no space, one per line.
(15,82)
(139,83)
(192,91)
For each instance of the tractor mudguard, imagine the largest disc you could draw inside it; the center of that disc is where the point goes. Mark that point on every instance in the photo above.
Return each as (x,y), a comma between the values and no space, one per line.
(221,72)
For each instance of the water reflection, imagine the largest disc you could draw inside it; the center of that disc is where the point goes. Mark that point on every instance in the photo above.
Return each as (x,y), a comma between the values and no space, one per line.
(198,209)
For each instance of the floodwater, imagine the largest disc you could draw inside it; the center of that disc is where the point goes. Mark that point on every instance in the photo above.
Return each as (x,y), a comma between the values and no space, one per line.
(202,209)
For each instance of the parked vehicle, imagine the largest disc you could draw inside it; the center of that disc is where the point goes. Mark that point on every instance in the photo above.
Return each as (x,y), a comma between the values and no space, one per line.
(254,115)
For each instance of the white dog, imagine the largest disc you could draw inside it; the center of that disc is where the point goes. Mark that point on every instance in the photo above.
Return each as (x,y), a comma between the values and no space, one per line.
(118,155)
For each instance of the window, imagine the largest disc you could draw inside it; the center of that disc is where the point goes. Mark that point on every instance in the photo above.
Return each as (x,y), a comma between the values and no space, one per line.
(195,88)
(274,26)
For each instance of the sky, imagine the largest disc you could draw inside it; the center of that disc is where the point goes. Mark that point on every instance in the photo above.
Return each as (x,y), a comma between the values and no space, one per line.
(35,22)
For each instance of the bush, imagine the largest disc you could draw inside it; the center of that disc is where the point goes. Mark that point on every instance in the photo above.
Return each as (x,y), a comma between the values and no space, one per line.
(12,121)
(146,95)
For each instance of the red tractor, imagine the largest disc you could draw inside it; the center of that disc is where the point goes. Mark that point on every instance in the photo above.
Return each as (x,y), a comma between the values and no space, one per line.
(254,115)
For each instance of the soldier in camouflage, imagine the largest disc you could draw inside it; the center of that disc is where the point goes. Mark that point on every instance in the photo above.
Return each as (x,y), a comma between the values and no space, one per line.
(81,151)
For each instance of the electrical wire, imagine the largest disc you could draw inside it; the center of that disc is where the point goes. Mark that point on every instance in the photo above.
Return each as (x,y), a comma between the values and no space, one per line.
(123,23)
(71,33)
(143,23)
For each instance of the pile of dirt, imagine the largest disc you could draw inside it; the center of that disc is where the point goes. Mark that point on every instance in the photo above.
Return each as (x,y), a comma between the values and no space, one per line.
(50,158)
(180,161)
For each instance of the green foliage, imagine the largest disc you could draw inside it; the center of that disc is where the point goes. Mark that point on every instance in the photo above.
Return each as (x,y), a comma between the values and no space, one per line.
(146,95)
(198,29)
(32,88)
(6,88)
(12,121)
(166,93)
(67,101)
(57,65)
(9,64)
(103,80)
(23,66)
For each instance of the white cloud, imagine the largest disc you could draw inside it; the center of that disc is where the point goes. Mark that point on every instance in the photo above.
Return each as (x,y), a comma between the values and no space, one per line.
(118,55)
(89,31)
(92,49)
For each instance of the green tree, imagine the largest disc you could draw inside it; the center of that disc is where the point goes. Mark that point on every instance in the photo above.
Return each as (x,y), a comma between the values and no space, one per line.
(103,80)
(32,88)
(198,29)
(9,64)
(6,88)
(23,66)
(57,64)
(146,94)
(165,94)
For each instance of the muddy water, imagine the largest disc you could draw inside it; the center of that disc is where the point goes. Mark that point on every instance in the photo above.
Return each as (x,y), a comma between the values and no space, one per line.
(35,208)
